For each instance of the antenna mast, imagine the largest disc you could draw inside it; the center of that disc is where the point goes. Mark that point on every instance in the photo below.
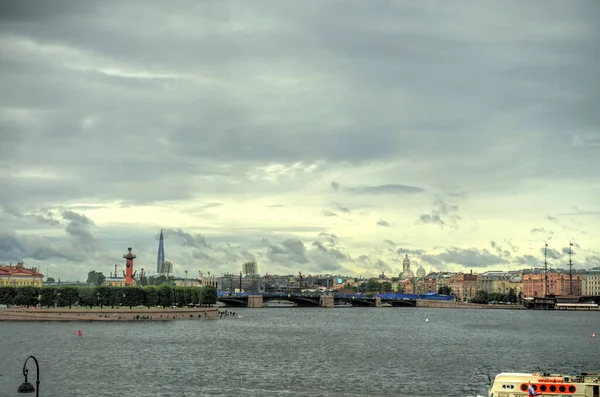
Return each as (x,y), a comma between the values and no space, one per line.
(545,269)
(570,270)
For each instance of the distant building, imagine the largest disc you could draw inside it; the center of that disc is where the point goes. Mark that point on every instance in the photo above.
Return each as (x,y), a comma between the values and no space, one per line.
(464,286)
(590,283)
(558,284)
(209,280)
(20,276)
(161,254)
(166,268)
(250,269)
(115,281)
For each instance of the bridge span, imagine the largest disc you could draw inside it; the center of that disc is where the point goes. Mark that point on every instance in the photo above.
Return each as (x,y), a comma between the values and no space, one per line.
(258,299)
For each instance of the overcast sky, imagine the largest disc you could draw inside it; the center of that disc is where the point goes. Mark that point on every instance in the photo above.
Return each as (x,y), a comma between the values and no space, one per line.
(316,136)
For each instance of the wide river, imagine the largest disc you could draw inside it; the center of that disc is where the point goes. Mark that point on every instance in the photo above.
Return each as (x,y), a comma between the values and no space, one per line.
(300,352)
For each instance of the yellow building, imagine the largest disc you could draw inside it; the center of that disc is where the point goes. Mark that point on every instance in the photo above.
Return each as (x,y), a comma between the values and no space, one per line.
(19,276)
(115,282)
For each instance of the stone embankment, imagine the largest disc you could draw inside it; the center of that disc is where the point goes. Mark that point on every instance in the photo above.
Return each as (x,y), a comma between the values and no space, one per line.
(121,314)
(462,305)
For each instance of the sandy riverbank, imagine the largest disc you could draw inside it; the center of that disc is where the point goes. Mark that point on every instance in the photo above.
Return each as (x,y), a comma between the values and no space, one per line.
(121,314)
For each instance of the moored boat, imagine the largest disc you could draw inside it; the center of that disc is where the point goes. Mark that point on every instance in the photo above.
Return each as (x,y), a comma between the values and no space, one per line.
(545,384)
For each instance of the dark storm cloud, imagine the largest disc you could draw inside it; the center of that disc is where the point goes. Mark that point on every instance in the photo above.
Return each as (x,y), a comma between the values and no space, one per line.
(14,248)
(186,89)
(186,239)
(551,253)
(323,255)
(500,250)
(77,245)
(469,258)
(529,261)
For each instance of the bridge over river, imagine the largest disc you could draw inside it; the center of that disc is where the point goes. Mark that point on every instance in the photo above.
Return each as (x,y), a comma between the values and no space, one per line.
(258,299)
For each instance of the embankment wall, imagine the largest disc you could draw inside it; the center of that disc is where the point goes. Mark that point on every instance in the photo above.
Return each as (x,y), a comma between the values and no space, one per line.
(462,305)
(121,314)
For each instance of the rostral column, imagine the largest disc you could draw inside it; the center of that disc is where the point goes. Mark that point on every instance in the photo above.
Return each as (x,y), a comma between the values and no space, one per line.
(129,273)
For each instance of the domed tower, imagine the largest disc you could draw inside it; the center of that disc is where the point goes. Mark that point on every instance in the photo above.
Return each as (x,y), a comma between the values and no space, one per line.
(421,272)
(406,272)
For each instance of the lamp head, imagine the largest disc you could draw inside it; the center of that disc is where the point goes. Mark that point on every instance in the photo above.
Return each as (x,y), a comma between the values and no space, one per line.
(26,387)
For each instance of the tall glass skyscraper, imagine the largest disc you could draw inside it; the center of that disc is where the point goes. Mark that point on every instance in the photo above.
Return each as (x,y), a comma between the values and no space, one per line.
(161,254)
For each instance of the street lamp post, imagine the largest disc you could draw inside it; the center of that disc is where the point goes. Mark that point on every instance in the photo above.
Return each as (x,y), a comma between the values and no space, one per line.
(27,387)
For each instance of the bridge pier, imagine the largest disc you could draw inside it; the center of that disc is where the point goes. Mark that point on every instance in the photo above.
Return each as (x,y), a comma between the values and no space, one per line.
(377,301)
(255,301)
(326,301)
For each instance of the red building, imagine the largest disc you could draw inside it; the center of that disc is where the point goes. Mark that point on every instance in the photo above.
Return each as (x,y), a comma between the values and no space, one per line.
(559,284)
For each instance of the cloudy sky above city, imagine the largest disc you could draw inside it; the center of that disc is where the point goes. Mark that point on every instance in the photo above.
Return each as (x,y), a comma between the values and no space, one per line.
(316,136)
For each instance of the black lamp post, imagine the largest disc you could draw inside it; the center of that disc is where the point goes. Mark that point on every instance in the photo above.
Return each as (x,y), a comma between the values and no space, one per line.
(27,387)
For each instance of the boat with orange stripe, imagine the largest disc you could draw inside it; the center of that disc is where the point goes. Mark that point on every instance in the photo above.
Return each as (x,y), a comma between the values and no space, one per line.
(511,384)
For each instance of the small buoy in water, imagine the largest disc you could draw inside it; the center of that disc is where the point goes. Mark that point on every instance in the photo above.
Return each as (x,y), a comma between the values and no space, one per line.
(593,334)
(426,320)
(79,333)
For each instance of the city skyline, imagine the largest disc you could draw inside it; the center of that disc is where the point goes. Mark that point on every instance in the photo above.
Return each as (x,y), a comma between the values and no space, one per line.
(313,136)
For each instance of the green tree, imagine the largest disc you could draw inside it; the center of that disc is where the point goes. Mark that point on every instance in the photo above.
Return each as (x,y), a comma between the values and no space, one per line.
(95,278)
(481,297)
(179,296)
(445,290)
(27,296)
(88,296)
(400,288)
(194,297)
(103,294)
(150,296)
(48,296)
(209,295)
(142,281)
(373,286)
(7,295)
(386,286)
(115,296)
(165,296)
(67,296)
(50,280)
(512,296)
(133,296)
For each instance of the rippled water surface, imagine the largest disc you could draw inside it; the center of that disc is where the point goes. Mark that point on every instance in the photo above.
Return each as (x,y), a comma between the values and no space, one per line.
(300,352)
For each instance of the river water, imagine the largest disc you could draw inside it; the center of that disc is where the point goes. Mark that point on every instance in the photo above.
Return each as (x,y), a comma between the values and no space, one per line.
(300,352)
